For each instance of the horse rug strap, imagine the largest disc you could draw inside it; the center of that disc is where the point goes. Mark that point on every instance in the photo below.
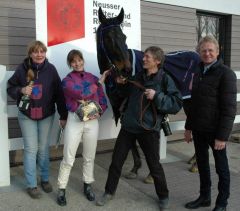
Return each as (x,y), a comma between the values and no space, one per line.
(133,62)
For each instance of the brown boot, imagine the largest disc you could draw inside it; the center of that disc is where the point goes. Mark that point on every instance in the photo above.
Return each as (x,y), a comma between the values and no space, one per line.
(34,193)
(46,186)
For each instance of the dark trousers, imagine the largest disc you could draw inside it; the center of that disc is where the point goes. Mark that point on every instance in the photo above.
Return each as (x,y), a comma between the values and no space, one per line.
(149,142)
(202,141)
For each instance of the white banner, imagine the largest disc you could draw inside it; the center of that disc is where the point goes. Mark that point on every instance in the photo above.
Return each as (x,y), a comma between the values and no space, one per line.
(65,18)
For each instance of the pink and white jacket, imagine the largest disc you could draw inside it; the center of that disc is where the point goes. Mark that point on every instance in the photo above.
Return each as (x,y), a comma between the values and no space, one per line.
(82,86)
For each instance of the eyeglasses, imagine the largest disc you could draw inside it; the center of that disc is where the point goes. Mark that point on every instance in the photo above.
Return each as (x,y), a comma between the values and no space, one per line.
(208,50)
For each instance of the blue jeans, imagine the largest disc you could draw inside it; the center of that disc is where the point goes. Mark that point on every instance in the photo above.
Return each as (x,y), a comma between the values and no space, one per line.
(36,142)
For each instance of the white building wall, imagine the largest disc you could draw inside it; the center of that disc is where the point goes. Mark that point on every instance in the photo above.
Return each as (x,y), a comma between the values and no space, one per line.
(221,6)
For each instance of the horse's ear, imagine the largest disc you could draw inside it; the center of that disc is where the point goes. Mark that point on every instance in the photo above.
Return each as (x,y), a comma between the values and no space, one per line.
(120,16)
(102,18)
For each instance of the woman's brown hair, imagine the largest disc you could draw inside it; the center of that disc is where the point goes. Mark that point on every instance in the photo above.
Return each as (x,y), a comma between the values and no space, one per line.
(72,54)
(36,45)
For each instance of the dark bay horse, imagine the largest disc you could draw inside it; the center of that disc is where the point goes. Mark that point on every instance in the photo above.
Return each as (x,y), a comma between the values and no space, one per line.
(113,53)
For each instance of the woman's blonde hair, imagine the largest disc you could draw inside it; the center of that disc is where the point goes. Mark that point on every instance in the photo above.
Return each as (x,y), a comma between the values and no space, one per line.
(32,47)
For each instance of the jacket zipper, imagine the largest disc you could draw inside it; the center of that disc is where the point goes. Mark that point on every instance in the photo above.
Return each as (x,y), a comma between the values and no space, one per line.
(37,72)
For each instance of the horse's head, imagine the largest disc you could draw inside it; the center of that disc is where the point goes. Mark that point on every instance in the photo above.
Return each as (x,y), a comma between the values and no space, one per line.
(112,51)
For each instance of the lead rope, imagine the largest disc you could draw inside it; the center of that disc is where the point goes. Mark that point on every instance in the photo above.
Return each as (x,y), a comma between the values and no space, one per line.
(143,110)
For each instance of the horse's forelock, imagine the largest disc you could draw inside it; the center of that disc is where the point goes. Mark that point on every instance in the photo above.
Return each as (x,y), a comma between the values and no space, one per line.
(105,55)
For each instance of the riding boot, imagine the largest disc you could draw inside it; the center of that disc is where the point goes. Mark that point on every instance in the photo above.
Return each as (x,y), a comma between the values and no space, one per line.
(88,192)
(61,198)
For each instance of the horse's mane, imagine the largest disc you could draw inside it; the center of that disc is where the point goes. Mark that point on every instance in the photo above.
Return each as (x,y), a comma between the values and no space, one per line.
(101,57)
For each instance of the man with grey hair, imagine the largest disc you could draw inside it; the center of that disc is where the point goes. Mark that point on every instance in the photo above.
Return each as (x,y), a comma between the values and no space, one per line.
(210,121)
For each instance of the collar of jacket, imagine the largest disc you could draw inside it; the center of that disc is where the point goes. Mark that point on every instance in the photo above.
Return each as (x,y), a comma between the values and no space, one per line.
(80,74)
(28,63)
(146,77)
(213,66)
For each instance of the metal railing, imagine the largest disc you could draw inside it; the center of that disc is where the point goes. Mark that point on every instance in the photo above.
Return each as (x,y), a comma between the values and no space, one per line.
(7,144)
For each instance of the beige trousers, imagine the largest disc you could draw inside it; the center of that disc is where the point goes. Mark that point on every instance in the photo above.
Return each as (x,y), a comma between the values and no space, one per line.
(76,132)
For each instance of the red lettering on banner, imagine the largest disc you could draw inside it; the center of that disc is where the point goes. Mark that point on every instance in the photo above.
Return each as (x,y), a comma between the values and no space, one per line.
(65,21)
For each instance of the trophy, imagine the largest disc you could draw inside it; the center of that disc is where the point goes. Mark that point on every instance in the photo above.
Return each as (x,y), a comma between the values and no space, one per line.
(25,100)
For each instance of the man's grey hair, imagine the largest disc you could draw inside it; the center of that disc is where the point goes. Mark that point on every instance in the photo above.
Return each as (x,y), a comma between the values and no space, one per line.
(205,39)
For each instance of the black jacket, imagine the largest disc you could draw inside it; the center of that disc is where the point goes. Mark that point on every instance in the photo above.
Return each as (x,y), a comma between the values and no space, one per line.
(167,100)
(213,102)
(47,90)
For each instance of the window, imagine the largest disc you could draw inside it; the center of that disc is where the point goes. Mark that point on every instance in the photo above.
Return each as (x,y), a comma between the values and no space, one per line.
(215,25)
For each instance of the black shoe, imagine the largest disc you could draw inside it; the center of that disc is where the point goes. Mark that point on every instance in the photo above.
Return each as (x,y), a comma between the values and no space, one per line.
(163,203)
(199,202)
(61,198)
(217,208)
(88,192)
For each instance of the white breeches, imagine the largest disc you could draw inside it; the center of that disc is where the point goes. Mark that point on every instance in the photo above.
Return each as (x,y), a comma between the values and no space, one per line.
(76,132)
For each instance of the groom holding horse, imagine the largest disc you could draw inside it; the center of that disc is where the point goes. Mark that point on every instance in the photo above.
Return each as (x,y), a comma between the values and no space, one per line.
(157,95)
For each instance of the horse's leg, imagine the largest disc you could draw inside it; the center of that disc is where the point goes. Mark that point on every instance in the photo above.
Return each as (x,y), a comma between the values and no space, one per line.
(137,162)
(136,158)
